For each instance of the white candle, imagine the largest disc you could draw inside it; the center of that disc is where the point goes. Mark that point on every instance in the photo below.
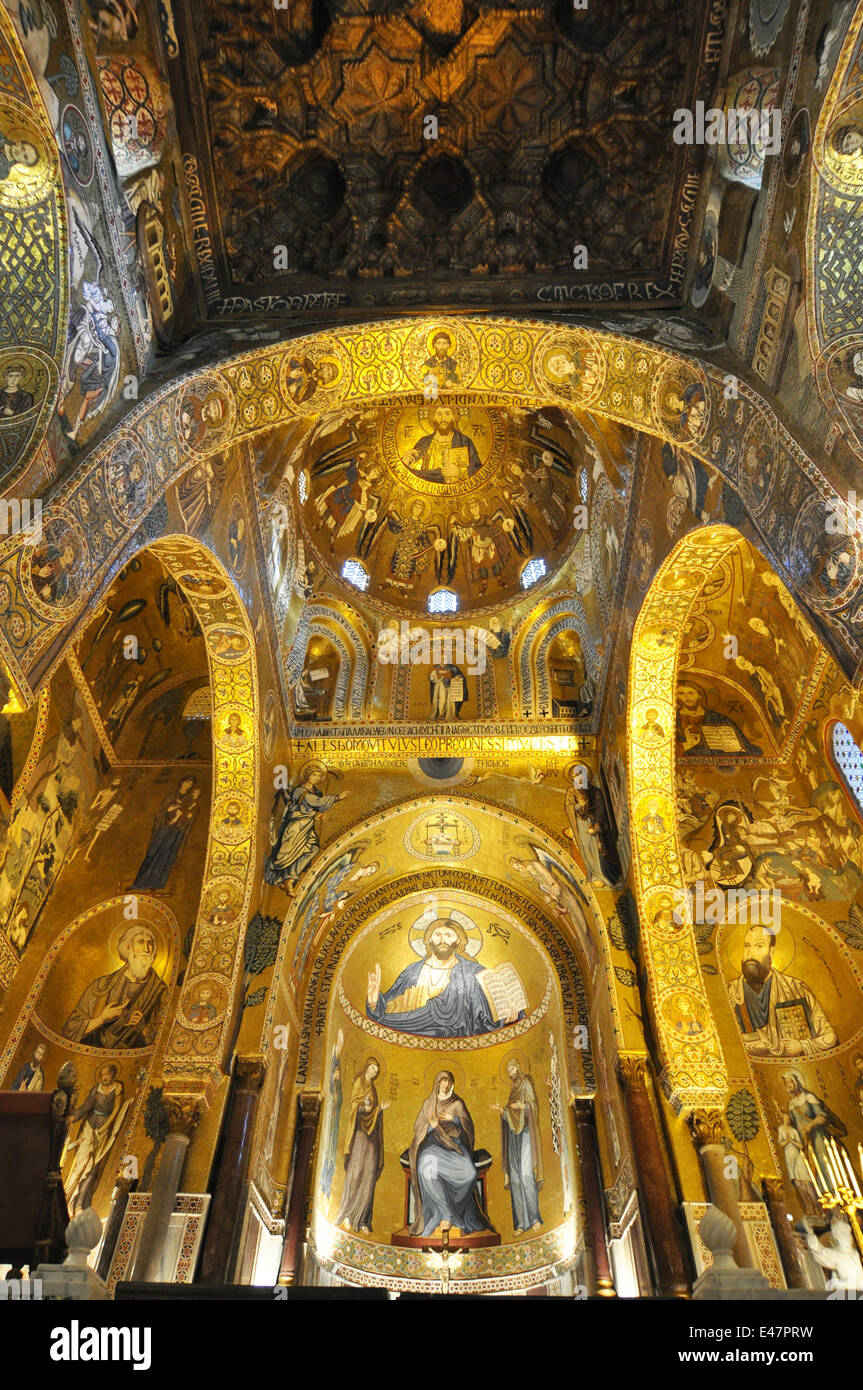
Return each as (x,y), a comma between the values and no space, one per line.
(839,1176)
(815,1182)
(852,1175)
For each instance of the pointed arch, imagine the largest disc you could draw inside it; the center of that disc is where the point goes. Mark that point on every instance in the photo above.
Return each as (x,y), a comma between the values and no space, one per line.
(531,647)
(694,1072)
(192,1055)
(658,392)
(351,643)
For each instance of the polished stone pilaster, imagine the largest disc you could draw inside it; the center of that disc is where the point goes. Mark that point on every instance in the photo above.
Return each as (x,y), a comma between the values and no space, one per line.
(296,1219)
(226,1209)
(658,1205)
(591,1182)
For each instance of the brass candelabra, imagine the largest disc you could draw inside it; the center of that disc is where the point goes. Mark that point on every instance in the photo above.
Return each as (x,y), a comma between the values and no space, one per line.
(837,1184)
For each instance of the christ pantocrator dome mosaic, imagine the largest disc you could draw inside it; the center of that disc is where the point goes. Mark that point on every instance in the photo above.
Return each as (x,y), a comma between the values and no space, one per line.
(443,489)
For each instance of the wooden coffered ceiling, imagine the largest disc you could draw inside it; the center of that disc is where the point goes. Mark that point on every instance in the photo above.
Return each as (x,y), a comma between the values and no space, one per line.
(355,156)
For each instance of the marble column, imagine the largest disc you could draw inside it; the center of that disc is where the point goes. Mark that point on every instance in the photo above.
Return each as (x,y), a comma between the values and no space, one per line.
(113,1226)
(53,1217)
(296,1219)
(226,1207)
(707,1128)
(659,1209)
(591,1182)
(184,1113)
(774,1196)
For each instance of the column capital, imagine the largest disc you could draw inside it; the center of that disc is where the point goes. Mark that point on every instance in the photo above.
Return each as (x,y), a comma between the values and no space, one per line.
(707,1126)
(632,1067)
(250,1073)
(310,1106)
(774,1189)
(201,1083)
(184,1114)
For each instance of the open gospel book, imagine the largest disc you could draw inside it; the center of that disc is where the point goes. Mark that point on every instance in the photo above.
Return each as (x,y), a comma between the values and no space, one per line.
(504,991)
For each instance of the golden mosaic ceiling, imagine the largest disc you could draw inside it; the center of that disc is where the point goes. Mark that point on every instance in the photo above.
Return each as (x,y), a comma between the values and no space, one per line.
(453,491)
(353,153)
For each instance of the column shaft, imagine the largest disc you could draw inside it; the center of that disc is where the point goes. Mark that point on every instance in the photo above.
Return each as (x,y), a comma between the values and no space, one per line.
(296,1218)
(658,1205)
(183,1115)
(774,1195)
(592,1188)
(723,1196)
(226,1206)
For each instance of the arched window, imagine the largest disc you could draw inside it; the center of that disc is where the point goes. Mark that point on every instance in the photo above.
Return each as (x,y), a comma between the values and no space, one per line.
(443,601)
(355,574)
(849,761)
(533,572)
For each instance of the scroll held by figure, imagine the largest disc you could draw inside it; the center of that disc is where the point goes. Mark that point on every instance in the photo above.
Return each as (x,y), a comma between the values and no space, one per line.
(521,1147)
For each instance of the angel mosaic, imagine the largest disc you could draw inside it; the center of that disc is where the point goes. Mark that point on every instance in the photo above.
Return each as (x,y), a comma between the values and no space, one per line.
(294,826)
(330,891)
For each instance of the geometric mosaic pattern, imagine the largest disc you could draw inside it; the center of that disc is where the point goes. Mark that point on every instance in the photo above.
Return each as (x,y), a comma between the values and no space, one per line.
(34,269)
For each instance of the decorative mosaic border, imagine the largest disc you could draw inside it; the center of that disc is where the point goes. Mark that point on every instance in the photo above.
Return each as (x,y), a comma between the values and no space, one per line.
(191,1205)
(628,380)
(496,1269)
(694,1065)
(194,1053)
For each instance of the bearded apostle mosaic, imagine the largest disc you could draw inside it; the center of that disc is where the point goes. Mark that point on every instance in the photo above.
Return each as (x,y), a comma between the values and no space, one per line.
(122,1009)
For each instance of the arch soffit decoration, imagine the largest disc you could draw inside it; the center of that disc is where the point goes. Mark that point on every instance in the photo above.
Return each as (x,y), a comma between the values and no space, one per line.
(193,1055)
(694,1072)
(347,669)
(562,612)
(650,388)
(353,641)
